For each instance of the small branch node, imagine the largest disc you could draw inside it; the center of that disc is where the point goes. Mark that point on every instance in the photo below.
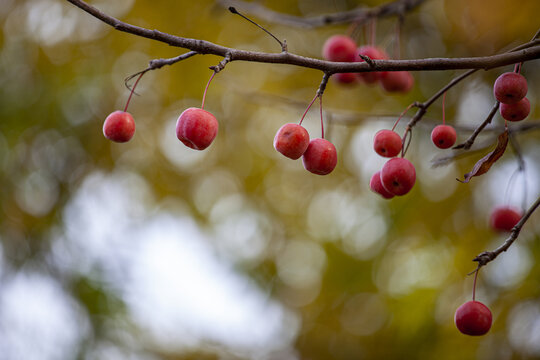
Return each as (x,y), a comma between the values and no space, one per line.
(221,65)
(484,258)
(368,60)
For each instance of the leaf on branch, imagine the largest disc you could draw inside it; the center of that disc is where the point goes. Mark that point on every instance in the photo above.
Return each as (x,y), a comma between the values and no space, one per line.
(484,164)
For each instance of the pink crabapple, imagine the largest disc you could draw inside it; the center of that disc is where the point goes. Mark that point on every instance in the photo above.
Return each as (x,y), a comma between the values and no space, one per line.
(510,87)
(376,186)
(196,128)
(473,318)
(345,78)
(398,176)
(339,48)
(119,126)
(320,157)
(387,143)
(291,140)
(397,81)
(443,136)
(516,111)
(504,218)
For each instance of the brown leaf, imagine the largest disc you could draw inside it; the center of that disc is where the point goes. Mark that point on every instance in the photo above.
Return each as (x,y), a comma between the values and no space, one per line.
(484,164)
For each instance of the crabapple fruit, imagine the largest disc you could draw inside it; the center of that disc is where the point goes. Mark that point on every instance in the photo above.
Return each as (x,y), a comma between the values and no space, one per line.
(443,136)
(387,143)
(398,176)
(119,126)
(291,140)
(516,111)
(320,157)
(373,53)
(345,78)
(510,87)
(473,318)
(196,128)
(339,48)
(376,186)
(397,81)
(504,218)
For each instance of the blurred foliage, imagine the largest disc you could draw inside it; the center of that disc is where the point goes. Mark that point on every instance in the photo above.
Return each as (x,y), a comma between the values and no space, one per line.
(367,278)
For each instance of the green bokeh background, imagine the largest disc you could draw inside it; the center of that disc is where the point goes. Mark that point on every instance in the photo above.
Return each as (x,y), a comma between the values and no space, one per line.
(368,278)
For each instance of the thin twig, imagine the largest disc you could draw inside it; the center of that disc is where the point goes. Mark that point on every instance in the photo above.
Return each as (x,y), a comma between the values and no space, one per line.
(359,15)
(488,256)
(470,141)
(282,44)
(158,64)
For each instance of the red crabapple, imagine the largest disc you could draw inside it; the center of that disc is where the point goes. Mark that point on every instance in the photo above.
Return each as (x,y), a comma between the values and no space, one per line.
(373,53)
(443,136)
(473,318)
(339,48)
(196,128)
(398,176)
(291,140)
(376,186)
(387,143)
(510,87)
(320,157)
(504,218)
(397,81)
(345,78)
(517,111)
(119,126)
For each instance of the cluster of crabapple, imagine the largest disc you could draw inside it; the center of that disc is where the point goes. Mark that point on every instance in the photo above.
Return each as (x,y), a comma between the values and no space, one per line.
(510,89)
(319,156)
(398,175)
(196,128)
(342,48)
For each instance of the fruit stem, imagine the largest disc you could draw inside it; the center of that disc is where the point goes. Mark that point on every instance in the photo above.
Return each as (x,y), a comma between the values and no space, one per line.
(401,115)
(206,89)
(474,284)
(443,99)
(373,31)
(305,112)
(364,33)
(517,68)
(320,111)
(397,40)
(133,90)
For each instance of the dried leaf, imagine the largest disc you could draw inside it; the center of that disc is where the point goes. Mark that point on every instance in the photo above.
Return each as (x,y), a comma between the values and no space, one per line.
(484,164)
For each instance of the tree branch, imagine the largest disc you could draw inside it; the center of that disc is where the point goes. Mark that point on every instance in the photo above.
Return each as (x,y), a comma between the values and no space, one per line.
(488,256)
(359,15)
(530,52)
